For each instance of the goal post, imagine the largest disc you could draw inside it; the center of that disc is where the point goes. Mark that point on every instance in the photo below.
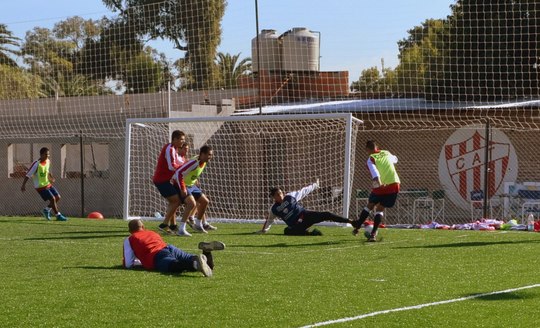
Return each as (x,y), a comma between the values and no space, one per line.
(251,155)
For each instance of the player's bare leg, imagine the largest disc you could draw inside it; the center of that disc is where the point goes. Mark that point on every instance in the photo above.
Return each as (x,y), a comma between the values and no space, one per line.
(189,204)
(202,204)
(53,204)
(170,218)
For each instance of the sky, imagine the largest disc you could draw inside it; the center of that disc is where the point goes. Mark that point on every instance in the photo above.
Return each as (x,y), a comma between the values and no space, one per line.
(355,34)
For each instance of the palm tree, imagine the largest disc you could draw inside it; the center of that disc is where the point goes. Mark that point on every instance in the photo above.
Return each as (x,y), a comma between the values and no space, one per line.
(229,69)
(7,39)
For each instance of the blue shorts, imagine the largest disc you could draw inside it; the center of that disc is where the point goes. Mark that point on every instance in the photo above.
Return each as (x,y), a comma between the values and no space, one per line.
(166,189)
(387,201)
(49,193)
(195,191)
(173,259)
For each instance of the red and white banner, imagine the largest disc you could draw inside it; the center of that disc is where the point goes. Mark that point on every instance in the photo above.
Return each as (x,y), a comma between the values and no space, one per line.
(462,163)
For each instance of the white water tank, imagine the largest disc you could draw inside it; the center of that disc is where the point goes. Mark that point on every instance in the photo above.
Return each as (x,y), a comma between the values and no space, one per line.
(300,50)
(270,47)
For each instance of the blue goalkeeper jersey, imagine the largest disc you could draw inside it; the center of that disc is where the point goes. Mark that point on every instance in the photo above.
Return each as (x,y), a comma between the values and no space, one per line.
(289,210)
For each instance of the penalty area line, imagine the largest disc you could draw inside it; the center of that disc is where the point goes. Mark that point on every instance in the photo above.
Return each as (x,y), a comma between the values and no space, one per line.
(420,306)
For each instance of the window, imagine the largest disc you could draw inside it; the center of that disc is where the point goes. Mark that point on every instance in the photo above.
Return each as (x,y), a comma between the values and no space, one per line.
(96,160)
(21,156)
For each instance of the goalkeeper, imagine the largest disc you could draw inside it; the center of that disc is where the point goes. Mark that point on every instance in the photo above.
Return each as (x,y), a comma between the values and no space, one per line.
(297,218)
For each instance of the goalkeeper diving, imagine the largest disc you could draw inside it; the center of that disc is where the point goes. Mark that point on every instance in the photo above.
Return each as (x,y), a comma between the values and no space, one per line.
(298,219)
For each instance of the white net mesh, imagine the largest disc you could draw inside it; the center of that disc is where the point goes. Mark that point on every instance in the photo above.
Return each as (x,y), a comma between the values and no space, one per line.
(76,80)
(251,155)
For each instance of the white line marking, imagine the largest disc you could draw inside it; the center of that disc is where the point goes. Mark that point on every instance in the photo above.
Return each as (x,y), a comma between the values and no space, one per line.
(416,307)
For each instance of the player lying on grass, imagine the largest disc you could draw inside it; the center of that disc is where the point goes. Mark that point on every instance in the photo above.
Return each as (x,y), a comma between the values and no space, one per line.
(297,218)
(146,248)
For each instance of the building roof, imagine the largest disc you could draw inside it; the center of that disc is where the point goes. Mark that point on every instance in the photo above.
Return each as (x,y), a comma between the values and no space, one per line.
(391,104)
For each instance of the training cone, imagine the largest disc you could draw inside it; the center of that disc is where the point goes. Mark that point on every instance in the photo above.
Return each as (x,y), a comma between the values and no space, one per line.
(95,215)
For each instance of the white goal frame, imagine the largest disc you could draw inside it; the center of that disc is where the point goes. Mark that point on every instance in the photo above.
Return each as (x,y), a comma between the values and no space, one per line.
(348,149)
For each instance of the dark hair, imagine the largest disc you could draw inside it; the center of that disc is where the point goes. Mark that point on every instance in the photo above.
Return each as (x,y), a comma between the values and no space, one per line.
(177,134)
(274,191)
(370,144)
(43,150)
(205,149)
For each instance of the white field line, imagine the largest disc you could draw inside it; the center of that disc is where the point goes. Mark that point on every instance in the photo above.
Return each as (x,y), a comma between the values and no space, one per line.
(416,307)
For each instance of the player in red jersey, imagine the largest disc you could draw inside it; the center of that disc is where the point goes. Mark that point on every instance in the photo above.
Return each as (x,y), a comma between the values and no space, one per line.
(147,249)
(167,163)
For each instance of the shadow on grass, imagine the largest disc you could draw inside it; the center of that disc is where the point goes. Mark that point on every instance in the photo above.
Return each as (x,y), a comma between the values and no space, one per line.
(503,297)
(249,233)
(91,232)
(283,245)
(36,221)
(42,221)
(114,267)
(473,244)
(141,269)
(95,236)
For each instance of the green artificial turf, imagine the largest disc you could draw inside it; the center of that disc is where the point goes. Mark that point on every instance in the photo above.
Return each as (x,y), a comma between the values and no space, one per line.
(69,274)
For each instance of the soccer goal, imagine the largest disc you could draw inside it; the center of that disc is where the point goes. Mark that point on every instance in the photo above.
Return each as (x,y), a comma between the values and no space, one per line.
(251,155)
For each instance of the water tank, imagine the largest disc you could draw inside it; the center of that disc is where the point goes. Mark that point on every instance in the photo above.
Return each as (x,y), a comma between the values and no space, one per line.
(300,50)
(270,47)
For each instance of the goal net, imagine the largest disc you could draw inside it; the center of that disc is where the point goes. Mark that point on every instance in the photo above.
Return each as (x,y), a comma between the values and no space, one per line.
(251,155)
(453,90)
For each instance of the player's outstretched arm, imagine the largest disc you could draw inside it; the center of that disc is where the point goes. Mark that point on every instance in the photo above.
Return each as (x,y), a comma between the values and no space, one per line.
(267,223)
(304,191)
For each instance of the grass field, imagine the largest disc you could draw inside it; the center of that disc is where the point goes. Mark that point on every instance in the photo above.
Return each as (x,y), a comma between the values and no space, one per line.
(68,274)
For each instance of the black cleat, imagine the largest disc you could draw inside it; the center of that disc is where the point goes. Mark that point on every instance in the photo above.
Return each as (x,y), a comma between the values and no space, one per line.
(315,232)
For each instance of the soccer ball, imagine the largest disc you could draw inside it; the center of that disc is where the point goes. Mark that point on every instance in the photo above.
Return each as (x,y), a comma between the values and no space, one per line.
(368,229)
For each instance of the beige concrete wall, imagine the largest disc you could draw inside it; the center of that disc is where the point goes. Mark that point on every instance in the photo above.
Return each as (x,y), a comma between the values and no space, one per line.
(100,119)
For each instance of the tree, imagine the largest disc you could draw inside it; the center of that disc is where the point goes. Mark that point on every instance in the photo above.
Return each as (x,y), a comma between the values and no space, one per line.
(18,84)
(185,75)
(77,57)
(377,83)
(48,57)
(142,74)
(78,30)
(193,22)
(7,39)
(106,56)
(492,51)
(229,69)
(419,55)
(369,80)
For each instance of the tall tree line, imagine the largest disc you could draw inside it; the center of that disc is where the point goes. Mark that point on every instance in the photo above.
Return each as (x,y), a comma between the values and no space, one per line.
(484,50)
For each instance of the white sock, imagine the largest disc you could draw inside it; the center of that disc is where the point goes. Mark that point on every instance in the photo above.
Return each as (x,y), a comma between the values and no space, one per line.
(182,226)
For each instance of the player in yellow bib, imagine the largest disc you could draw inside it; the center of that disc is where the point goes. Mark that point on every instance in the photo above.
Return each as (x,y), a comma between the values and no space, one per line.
(184,180)
(385,182)
(43,182)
